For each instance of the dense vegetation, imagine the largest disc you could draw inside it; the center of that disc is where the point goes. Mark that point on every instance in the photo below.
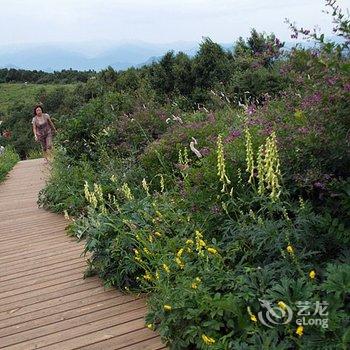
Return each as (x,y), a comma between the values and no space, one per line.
(219,184)
(8,158)
(66,76)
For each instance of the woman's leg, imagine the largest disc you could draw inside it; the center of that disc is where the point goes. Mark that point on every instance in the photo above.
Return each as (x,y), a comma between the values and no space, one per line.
(43,147)
(49,147)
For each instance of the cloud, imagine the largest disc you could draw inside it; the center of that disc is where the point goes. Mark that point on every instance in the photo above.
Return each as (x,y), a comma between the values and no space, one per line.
(154,21)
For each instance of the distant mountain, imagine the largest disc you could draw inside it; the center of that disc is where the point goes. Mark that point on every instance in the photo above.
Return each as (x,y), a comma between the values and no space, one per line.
(85,56)
(98,55)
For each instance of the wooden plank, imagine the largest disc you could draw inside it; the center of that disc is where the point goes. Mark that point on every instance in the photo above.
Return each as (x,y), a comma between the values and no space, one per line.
(141,339)
(65,311)
(84,334)
(66,325)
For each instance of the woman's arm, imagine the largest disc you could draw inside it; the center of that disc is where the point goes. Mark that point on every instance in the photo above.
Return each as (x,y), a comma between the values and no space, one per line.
(34,131)
(51,124)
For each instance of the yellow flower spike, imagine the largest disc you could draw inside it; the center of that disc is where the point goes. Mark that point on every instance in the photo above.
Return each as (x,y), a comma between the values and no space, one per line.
(189,241)
(157,234)
(127,192)
(282,305)
(179,262)
(179,253)
(162,185)
(223,178)
(312,274)
(300,331)
(150,238)
(249,155)
(290,249)
(145,186)
(167,307)
(212,250)
(208,340)
(146,251)
(166,268)
(157,275)
(261,170)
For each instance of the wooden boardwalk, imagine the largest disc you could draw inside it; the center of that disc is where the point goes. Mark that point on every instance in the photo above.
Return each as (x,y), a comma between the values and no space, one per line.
(44,301)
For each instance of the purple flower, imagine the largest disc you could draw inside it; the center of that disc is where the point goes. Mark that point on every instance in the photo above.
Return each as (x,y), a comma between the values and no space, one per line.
(319,185)
(331,80)
(211,117)
(311,100)
(266,132)
(347,87)
(232,135)
(204,151)
(251,109)
(215,209)
(303,130)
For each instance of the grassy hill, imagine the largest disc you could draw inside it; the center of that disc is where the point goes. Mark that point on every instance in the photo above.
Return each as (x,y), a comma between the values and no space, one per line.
(13,93)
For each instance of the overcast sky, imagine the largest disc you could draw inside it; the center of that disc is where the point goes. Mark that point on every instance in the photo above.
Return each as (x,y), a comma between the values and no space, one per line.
(156,21)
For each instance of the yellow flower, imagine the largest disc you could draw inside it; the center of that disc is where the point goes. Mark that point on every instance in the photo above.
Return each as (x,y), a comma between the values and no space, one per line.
(157,234)
(189,241)
(300,331)
(299,114)
(157,275)
(212,250)
(282,305)
(167,308)
(137,258)
(147,276)
(150,238)
(179,253)
(150,326)
(179,262)
(252,316)
(312,274)
(196,282)
(201,243)
(208,340)
(290,249)
(166,268)
(146,251)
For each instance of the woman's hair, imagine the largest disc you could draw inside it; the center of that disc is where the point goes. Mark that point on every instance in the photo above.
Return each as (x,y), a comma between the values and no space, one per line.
(37,106)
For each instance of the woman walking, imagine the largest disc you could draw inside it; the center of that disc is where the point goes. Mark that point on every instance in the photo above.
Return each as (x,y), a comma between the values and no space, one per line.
(43,129)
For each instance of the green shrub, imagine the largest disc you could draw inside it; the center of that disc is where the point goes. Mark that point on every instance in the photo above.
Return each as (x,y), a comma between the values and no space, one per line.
(7,160)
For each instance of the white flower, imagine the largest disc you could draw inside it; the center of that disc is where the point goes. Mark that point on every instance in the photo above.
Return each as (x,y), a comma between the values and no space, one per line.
(193,149)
